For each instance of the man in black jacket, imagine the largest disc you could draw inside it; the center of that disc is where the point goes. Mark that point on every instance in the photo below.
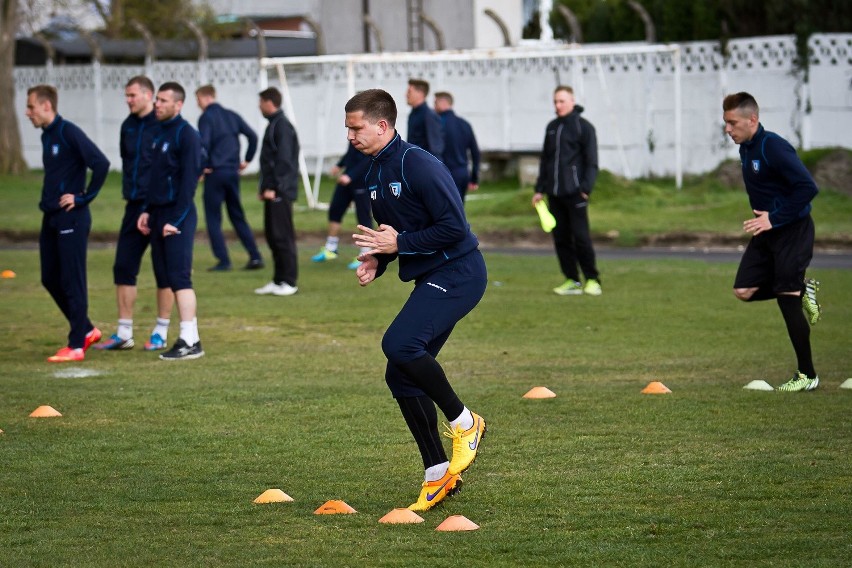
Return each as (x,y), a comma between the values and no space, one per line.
(278,188)
(569,166)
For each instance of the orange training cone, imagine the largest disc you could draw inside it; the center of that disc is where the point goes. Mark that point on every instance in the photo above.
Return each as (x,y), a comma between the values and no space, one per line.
(401,516)
(334,507)
(44,412)
(656,387)
(272,496)
(457,523)
(8,274)
(540,392)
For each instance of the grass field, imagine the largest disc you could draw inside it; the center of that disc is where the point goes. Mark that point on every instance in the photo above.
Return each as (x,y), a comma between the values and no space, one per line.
(157,464)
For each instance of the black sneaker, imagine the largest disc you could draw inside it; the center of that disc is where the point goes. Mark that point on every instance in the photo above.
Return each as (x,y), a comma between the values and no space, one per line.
(254,264)
(221,267)
(181,350)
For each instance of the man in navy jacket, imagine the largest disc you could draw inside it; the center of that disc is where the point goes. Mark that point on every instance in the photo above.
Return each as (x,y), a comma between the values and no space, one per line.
(780,190)
(422,223)
(459,143)
(66,153)
(424,126)
(170,217)
(220,130)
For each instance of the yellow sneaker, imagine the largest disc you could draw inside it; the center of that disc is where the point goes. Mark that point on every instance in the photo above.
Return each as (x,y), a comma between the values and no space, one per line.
(433,492)
(465,444)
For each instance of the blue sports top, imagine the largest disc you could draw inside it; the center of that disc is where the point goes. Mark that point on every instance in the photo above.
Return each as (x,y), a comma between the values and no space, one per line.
(412,191)
(175,168)
(136,143)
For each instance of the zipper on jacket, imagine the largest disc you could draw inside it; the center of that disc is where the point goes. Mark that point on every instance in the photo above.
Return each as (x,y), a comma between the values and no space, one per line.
(576,179)
(171,189)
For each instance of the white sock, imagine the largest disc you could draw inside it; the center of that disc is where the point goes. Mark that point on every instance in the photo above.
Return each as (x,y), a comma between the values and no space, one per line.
(364,249)
(125,329)
(465,420)
(162,328)
(436,472)
(331,243)
(189,331)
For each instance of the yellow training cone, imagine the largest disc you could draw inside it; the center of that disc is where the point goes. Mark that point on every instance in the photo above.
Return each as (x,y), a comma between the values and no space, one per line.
(272,496)
(457,523)
(8,274)
(44,412)
(401,516)
(334,507)
(656,387)
(540,392)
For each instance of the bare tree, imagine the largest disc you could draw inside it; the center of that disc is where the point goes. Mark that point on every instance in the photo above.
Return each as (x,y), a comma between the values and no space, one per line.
(11,153)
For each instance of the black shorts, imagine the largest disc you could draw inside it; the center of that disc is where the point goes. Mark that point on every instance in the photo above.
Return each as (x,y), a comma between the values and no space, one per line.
(778,258)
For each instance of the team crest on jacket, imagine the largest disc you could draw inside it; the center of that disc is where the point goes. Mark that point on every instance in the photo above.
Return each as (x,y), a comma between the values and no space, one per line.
(55,149)
(165,147)
(755,166)
(396,188)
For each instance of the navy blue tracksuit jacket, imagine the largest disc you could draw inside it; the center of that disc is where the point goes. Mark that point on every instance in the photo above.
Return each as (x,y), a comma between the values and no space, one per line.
(220,130)
(425,130)
(412,191)
(136,141)
(175,168)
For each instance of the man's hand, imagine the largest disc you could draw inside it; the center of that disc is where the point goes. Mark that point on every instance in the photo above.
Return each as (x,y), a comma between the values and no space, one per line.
(142,224)
(169,230)
(66,201)
(266,195)
(759,224)
(472,186)
(344,179)
(536,198)
(243,165)
(382,241)
(366,271)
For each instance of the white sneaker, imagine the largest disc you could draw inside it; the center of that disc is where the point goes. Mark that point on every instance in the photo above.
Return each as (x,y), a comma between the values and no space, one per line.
(284,289)
(268,289)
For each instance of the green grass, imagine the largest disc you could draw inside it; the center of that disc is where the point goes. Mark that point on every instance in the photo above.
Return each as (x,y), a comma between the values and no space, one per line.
(156,464)
(623,212)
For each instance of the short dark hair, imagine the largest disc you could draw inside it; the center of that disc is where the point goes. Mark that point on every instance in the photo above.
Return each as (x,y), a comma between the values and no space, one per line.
(565,88)
(206,91)
(420,85)
(376,105)
(143,82)
(272,95)
(742,102)
(176,88)
(444,95)
(45,93)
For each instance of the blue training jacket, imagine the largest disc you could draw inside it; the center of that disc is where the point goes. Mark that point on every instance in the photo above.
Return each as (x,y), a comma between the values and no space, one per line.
(425,130)
(220,130)
(66,154)
(175,168)
(458,141)
(136,143)
(775,178)
(412,191)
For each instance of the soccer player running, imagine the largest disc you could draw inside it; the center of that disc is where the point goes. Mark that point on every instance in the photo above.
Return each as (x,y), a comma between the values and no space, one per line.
(421,220)
(136,141)
(169,214)
(66,153)
(780,190)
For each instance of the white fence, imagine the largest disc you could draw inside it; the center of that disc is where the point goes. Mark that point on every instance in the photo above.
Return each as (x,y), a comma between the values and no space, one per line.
(629,94)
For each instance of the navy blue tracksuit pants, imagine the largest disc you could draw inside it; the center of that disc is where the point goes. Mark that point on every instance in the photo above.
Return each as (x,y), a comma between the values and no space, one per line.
(224,186)
(62,248)
(439,300)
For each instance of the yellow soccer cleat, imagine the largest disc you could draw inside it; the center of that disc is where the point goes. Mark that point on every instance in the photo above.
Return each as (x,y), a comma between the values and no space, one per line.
(433,492)
(465,444)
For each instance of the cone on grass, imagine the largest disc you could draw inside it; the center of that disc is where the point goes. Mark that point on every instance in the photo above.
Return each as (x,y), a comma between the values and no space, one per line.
(8,274)
(272,496)
(656,387)
(44,412)
(847,384)
(401,516)
(334,507)
(540,392)
(759,385)
(457,523)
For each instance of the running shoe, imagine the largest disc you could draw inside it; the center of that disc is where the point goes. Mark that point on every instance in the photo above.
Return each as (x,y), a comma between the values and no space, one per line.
(809,301)
(800,382)
(180,350)
(465,443)
(592,288)
(66,354)
(324,254)
(92,337)
(433,492)
(354,264)
(155,343)
(569,288)
(116,343)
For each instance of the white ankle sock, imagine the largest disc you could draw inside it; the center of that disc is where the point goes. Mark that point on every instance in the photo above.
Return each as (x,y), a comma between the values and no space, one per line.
(162,328)
(465,420)
(189,331)
(436,472)
(331,243)
(125,329)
